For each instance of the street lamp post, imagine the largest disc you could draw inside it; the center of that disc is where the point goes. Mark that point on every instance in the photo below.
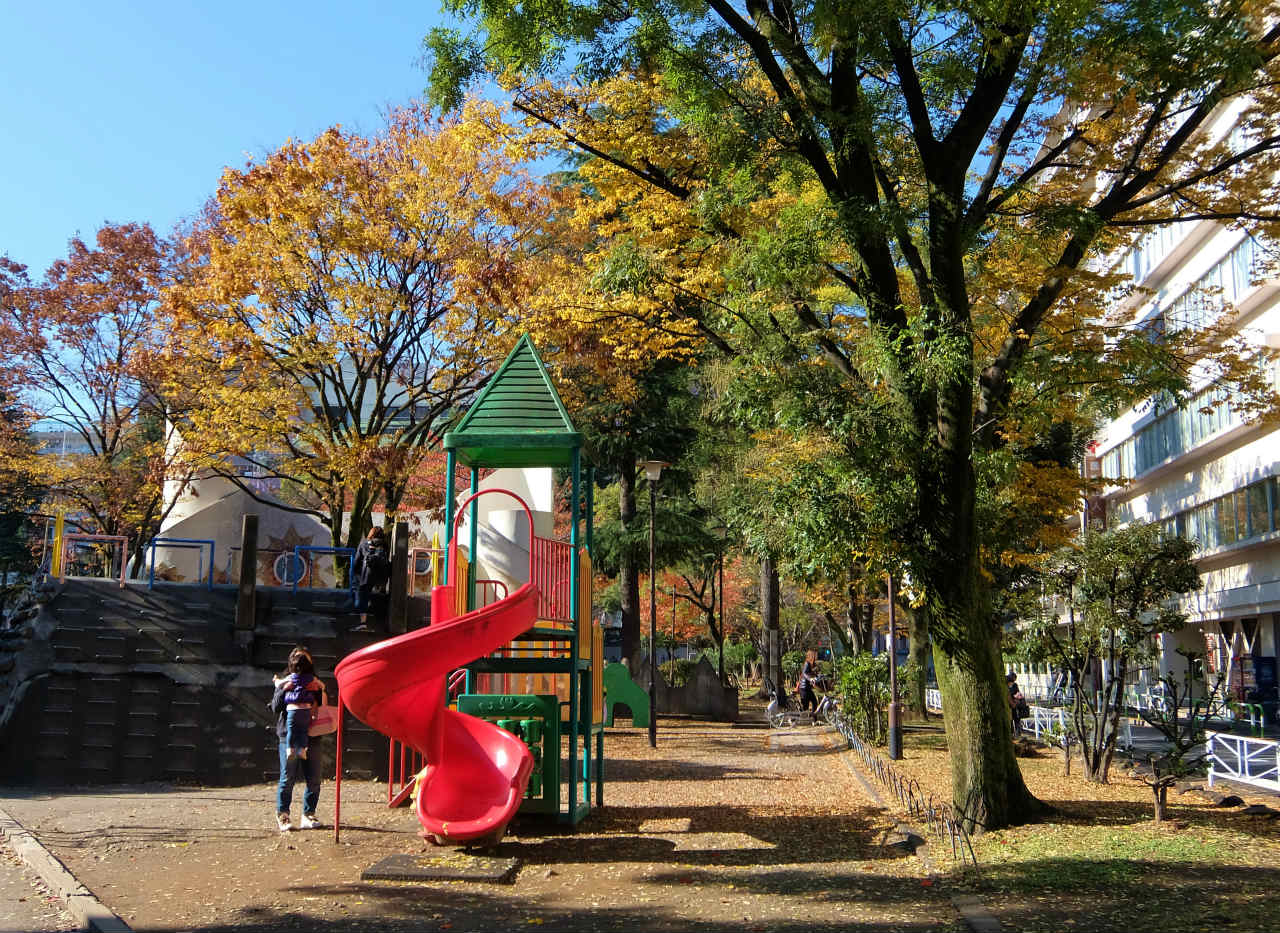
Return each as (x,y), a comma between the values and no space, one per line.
(895,730)
(720,532)
(653,472)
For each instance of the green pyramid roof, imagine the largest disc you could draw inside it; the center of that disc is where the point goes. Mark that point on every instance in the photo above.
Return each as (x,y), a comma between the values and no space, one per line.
(518,420)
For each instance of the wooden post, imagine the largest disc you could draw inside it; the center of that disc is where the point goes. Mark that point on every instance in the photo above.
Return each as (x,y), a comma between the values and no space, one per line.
(398,601)
(247,601)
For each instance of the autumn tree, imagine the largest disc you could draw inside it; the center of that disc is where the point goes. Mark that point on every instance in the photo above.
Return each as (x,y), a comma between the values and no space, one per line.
(975,164)
(352,293)
(19,496)
(83,358)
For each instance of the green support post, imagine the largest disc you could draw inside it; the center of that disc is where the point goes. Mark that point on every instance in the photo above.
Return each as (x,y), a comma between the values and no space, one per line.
(450,500)
(575,676)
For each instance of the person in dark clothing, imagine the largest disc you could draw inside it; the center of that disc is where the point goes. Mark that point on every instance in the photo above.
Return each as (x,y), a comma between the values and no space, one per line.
(371,571)
(809,677)
(1017,703)
(293,767)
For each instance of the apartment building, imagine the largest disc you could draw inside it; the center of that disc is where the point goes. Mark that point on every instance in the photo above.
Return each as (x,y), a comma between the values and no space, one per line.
(1204,469)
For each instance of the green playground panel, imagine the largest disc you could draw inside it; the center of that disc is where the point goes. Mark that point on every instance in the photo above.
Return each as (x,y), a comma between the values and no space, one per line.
(535,718)
(620,688)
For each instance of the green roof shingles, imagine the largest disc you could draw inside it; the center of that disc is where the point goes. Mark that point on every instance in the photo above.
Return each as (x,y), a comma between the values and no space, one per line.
(518,420)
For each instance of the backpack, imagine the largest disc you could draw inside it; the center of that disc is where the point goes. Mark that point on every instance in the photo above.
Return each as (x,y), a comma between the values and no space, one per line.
(376,568)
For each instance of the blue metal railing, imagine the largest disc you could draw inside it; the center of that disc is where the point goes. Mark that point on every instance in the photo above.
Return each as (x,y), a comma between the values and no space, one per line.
(200,543)
(350,552)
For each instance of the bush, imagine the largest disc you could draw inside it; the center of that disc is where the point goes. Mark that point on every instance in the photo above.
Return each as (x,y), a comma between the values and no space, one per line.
(862,682)
(912,679)
(792,661)
(677,673)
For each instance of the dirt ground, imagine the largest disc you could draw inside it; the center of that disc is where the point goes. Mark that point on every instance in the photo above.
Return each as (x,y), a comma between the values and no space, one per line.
(718,828)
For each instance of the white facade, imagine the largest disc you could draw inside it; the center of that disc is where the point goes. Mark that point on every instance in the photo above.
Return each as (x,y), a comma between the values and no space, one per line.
(1204,470)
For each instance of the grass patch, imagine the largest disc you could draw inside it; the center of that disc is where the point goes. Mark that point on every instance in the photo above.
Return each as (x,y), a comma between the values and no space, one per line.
(1100,863)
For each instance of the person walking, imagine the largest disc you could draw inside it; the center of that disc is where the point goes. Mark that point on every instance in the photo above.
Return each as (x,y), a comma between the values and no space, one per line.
(809,677)
(293,766)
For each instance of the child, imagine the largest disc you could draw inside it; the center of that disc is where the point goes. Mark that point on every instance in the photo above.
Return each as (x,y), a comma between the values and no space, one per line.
(301,694)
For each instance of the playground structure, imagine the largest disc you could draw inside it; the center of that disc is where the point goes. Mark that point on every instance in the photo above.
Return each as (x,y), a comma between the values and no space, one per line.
(501,684)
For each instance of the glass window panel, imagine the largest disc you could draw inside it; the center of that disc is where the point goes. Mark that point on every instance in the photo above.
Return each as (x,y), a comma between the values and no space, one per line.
(1241,508)
(1225,519)
(1273,494)
(1259,512)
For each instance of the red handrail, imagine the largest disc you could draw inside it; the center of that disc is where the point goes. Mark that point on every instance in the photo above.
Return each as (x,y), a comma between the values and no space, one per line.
(549,565)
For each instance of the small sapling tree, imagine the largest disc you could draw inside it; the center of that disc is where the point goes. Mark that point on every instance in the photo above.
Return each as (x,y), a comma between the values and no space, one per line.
(1117,589)
(1185,750)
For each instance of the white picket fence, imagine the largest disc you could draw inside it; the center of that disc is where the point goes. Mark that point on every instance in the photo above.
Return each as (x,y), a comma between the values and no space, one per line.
(1245,759)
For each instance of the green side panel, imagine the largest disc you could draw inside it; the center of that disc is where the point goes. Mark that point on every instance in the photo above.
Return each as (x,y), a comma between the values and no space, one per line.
(536,718)
(620,688)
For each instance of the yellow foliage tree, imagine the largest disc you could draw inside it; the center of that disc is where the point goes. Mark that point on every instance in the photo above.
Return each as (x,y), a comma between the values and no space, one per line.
(345,297)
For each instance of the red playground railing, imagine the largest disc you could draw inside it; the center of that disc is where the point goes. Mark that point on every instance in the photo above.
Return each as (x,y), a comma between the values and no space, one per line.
(549,572)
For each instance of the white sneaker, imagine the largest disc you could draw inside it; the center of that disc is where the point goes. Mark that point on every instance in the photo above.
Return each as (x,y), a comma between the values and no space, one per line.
(309,822)
(283,821)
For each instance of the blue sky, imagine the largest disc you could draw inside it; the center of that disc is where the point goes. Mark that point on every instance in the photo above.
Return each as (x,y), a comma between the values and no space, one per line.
(128,111)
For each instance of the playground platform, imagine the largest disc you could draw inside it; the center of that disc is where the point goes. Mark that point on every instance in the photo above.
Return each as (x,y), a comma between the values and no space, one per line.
(717,829)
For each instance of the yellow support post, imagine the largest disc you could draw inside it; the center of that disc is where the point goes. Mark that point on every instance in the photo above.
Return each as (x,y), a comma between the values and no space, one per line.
(59,523)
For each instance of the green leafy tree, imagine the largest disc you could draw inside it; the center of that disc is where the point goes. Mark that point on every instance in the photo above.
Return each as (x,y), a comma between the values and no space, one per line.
(654,423)
(963,165)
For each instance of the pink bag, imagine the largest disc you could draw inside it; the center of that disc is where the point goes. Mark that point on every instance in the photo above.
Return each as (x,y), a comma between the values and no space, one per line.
(324,720)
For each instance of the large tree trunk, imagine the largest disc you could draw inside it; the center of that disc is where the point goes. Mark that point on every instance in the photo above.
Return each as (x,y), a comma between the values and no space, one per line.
(628,573)
(770,602)
(987,787)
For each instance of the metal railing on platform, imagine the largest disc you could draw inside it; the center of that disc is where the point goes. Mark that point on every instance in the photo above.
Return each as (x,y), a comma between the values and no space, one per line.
(1245,759)
(199,544)
(80,539)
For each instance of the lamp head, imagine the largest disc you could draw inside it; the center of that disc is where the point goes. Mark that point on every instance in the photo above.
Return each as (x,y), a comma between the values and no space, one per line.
(653,469)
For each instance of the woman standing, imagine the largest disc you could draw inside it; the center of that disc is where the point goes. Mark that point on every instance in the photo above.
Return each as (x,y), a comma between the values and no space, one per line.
(292,767)
(371,570)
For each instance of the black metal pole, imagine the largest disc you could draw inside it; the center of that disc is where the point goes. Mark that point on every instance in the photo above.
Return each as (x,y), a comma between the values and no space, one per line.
(895,732)
(653,619)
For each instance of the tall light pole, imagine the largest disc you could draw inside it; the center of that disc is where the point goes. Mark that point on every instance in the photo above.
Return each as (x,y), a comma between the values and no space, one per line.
(895,731)
(720,532)
(653,472)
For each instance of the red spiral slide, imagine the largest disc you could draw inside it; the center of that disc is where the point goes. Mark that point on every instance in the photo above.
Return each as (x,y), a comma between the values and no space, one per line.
(476,773)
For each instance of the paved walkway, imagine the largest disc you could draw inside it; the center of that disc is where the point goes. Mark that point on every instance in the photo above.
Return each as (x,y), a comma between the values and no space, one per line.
(25,903)
(719,828)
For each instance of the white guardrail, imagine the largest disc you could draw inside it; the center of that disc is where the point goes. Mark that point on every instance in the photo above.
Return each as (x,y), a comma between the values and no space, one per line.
(1245,759)
(1044,719)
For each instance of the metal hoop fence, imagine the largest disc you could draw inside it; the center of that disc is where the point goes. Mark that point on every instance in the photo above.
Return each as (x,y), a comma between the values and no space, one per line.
(939,816)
